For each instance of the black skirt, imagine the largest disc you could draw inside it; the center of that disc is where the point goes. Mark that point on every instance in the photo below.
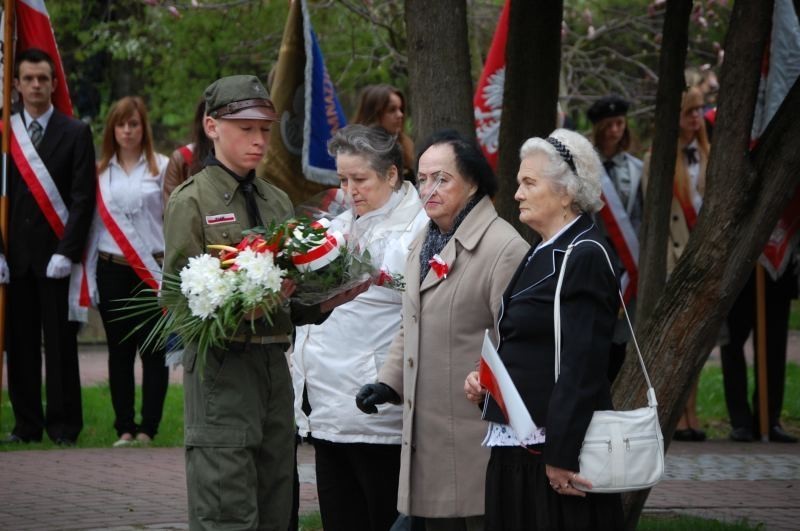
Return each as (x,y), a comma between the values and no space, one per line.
(519,498)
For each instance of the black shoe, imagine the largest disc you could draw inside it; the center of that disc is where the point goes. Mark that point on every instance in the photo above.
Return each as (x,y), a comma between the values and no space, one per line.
(741,435)
(64,442)
(683,435)
(14,439)
(778,434)
(698,435)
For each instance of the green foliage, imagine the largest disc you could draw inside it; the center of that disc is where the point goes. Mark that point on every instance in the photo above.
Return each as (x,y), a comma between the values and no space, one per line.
(169,55)
(98,420)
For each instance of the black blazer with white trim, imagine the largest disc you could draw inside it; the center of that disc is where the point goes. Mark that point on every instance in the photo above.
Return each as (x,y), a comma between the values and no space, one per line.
(589,306)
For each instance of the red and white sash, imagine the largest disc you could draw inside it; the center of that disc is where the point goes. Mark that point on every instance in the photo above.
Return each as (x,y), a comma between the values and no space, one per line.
(45,192)
(622,235)
(125,235)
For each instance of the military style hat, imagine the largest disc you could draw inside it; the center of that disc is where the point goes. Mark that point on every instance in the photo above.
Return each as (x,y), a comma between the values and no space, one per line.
(606,107)
(239,98)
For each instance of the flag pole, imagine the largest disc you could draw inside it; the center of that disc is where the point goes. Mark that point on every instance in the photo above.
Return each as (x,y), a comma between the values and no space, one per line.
(761,354)
(8,63)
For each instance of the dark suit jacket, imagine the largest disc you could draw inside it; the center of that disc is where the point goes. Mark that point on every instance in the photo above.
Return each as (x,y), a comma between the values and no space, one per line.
(589,304)
(67,151)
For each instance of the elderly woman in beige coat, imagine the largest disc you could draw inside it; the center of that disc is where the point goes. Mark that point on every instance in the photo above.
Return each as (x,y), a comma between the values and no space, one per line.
(455,276)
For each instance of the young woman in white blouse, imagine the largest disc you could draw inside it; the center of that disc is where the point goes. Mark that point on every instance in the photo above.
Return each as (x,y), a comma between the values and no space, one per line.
(128,242)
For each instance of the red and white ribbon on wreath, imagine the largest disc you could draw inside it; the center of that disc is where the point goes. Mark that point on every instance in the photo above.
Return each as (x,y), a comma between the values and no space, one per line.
(622,234)
(47,197)
(323,254)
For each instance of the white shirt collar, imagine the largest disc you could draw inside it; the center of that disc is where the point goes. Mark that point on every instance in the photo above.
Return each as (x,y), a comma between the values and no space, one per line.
(43,120)
(113,160)
(557,234)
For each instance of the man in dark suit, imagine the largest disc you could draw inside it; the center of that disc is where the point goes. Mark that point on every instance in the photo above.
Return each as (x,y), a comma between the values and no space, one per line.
(40,257)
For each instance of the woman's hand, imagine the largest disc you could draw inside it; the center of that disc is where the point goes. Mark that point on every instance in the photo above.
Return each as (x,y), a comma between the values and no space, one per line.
(287,288)
(563,481)
(473,388)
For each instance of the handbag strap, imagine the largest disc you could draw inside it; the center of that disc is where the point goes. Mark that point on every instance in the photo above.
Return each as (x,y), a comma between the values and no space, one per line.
(651,394)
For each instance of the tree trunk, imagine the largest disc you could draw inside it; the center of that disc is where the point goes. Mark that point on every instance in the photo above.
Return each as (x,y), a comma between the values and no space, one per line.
(745,195)
(440,84)
(658,195)
(530,93)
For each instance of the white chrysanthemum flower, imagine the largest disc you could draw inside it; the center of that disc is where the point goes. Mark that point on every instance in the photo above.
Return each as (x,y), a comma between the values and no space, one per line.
(201,307)
(259,270)
(203,285)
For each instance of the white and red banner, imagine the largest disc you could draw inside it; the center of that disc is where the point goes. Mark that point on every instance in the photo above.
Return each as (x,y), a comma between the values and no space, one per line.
(35,31)
(622,234)
(493,375)
(780,71)
(488,100)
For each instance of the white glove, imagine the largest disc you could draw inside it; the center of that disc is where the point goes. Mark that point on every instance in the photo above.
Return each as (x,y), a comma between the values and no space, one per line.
(59,267)
(3,270)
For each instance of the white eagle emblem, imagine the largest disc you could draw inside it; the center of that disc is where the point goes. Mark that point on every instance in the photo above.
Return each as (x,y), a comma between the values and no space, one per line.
(487,122)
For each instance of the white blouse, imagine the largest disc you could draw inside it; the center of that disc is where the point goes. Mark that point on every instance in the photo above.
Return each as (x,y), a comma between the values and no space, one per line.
(138,196)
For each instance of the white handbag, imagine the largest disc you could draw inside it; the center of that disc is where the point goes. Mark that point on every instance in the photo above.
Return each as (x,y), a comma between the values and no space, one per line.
(622,450)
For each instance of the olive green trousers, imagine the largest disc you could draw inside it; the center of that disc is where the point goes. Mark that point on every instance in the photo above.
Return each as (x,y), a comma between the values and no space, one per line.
(239,438)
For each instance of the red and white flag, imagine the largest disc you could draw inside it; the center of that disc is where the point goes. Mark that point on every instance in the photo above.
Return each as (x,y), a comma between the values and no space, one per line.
(35,31)
(488,100)
(493,376)
(780,70)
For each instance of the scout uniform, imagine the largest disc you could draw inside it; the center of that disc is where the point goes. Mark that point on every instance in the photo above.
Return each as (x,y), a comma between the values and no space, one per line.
(239,425)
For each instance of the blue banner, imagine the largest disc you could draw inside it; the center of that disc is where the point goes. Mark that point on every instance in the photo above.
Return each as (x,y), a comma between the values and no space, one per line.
(323,113)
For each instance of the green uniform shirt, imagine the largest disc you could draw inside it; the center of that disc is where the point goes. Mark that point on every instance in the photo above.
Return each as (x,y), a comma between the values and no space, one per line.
(209,209)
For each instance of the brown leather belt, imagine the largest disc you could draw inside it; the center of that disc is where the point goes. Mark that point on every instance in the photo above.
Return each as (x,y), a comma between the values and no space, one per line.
(261,340)
(120,260)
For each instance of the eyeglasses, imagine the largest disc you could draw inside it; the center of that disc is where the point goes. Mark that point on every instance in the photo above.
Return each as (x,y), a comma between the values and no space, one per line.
(434,181)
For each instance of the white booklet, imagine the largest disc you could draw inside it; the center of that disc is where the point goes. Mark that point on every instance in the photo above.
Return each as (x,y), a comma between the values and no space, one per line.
(495,378)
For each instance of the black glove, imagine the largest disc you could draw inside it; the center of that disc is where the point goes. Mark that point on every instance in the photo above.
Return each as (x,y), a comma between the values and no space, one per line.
(371,395)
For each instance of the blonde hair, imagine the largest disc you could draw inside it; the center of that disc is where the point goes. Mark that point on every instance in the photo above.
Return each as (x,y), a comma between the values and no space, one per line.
(692,98)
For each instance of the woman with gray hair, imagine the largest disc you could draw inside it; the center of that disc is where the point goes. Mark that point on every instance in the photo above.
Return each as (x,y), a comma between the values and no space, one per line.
(533,482)
(358,456)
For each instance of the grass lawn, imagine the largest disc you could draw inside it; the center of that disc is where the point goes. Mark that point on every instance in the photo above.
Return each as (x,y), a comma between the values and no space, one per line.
(98,420)
(98,416)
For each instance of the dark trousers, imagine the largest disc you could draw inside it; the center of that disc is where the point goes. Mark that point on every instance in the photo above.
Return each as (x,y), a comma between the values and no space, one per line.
(116,282)
(741,320)
(38,307)
(357,485)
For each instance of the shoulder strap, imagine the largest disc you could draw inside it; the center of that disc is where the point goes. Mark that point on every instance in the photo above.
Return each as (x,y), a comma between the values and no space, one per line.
(651,395)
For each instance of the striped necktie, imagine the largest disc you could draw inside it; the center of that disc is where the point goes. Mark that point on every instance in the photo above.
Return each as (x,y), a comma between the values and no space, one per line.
(36,133)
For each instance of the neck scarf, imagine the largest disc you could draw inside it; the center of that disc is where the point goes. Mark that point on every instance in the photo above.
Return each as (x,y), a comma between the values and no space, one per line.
(435,240)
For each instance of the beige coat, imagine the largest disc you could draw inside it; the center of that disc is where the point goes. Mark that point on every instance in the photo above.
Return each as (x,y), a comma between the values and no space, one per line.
(443,465)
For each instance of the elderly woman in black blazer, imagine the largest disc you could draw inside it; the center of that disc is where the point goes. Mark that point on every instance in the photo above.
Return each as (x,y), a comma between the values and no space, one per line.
(534,483)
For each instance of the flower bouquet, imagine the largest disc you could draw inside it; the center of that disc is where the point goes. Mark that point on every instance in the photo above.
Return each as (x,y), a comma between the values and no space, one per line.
(212,296)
